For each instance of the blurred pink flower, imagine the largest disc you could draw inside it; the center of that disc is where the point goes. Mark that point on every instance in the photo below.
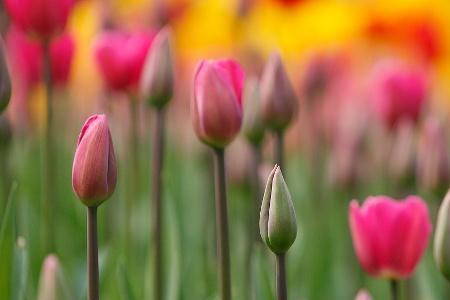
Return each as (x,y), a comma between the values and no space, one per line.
(43,18)
(120,57)
(216,106)
(398,91)
(389,236)
(61,52)
(94,171)
(363,295)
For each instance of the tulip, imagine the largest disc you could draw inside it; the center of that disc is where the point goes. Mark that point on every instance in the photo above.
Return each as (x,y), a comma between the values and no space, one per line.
(62,51)
(48,281)
(43,18)
(94,169)
(398,92)
(5,81)
(389,236)
(94,175)
(442,238)
(120,57)
(278,101)
(157,78)
(433,162)
(363,295)
(216,105)
(216,111)
(157,84)
(278,224)
(253,126)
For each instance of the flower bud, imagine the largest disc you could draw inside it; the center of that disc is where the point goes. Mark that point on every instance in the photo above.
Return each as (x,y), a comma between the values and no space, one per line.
(442,238)
(216,106)
(253,126)
(48,281)
(279,102)
(277,221)
(363,295)
(5,81)
(157,78)
(94,170)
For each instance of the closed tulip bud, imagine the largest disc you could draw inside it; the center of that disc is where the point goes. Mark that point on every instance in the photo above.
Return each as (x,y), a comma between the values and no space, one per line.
(363,295)
(5,81)
(279,102)
(216,106)
(48,282)
(43,18)
(253,127)
(277,221)
(157,80)
(442,238)
(94,170)
(389,236)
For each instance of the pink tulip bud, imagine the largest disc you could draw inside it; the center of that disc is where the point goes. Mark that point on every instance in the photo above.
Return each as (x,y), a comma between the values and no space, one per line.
(94,169)
(120,57)
(433,162)
(157,76)
(62,50)
(389,236)
(5,81)
(43,18)
(48,282)
(398,91)
(278,99)
(363,295)
(216,106)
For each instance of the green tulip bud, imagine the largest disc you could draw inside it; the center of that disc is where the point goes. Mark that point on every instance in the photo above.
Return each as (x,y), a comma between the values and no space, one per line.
(442,238)
(277,221)
(253,126)
(5,81)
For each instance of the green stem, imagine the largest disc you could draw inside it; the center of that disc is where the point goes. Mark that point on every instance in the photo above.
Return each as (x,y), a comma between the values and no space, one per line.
(157,166)
(281,277)
(279,148)
(223,251)
(92,254)
(395,291)
(48,160)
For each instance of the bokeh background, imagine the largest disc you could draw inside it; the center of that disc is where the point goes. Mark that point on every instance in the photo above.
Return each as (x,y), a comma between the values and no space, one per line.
(341,147)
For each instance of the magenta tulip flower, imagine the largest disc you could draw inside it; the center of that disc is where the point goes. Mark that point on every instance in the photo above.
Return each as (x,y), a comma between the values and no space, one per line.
(62,50)
(398,92)
(120,57)
(216,105)
(389,236)
(43,18)
(94,171)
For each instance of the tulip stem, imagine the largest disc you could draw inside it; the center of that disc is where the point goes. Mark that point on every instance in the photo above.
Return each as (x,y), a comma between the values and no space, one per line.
(279,148)
(256,186)
(395,292)
(92,252)
(157,167)
(281,277)
(223,251)
(135,144)
(48,158)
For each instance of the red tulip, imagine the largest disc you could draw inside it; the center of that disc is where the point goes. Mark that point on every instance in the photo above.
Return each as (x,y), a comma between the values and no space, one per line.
(44,18)
(216,105)
(120,57)
(398,92)
(94,171)
(27,58)
(389,236)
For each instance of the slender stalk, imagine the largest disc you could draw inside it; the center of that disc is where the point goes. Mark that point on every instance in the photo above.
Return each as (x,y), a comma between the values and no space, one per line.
(223,251)
(157,166)
(281,277)
(92,254)
(395,291)
(256,187)
(134,134)
(48,159)
(279,148)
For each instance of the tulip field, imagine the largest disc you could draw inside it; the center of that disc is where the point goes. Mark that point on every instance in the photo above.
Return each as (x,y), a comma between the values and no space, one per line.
(245,149)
